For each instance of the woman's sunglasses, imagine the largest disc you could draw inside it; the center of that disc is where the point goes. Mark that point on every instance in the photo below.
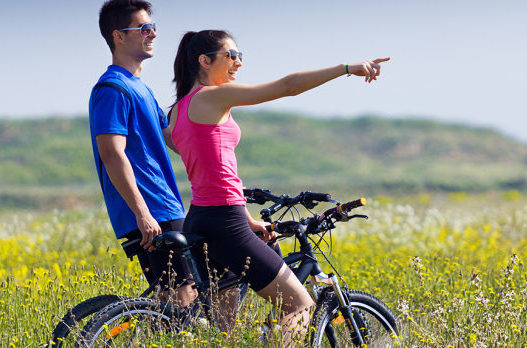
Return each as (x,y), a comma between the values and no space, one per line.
(146,29)
(232,54)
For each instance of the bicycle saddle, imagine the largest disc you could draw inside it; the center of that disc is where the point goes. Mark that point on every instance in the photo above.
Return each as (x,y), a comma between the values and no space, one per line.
(176,240)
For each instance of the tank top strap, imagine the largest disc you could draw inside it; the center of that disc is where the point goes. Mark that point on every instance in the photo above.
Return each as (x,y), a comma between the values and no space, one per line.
(189,96)
(182,107)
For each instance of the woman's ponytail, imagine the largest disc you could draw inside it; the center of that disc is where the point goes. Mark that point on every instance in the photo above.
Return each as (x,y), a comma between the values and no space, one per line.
(185,72)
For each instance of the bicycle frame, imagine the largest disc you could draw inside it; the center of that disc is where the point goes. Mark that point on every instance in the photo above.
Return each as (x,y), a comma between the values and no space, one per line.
(303,263)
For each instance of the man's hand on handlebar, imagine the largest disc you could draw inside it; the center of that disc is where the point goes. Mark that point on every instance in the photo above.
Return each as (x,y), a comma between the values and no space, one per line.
(149,229)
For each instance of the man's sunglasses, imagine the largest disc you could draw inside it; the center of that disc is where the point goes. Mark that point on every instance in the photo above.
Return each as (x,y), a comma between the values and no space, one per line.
(146,29)
(232,54)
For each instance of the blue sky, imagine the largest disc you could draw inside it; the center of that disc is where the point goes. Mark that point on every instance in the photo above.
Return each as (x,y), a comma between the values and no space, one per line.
(455,61)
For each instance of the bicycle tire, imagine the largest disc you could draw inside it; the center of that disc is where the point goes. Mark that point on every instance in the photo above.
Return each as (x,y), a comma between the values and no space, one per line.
(375,320)
(70,321)
(128,319)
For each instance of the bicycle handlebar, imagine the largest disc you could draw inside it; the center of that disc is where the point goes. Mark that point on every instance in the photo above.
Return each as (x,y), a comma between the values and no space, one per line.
(321,197)
(281,227)
(287,228)
(353,204)
(307,199)
(344,208)
(259,196)
(267,196)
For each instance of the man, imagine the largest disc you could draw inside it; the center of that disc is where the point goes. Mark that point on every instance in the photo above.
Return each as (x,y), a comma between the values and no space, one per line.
(128,130)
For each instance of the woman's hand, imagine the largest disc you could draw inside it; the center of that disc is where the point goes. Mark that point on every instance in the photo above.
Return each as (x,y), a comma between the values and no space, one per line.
(258,227)
(370,68)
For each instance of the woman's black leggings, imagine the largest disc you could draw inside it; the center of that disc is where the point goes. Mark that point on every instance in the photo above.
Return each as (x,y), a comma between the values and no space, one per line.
(230,241)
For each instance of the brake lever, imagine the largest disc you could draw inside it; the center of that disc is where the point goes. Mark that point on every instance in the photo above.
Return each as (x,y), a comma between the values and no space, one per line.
(272,241)
(365,217)
(309,204)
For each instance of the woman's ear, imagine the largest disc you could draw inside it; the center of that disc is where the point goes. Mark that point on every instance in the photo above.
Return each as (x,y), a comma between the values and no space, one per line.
(204,61)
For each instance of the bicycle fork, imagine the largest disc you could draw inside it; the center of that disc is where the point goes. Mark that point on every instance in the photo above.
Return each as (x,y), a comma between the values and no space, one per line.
(346,311)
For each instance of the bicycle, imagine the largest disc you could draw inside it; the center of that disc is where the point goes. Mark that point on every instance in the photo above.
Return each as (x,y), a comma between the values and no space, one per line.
(72,321)
(342,317)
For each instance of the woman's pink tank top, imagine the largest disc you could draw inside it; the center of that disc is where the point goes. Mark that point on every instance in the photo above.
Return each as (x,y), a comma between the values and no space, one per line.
(207,150)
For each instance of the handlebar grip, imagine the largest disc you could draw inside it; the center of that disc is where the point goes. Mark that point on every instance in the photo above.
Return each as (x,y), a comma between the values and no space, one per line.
(353,204)
(272,209)
(260,194)
(281,227)
(321,197)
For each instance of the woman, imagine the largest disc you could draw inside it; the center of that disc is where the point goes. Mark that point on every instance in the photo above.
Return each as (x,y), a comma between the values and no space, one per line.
(205,135)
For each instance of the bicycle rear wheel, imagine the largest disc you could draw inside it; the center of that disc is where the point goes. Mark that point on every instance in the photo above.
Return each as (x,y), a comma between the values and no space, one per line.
(70,325)
(376,322)
(126,323)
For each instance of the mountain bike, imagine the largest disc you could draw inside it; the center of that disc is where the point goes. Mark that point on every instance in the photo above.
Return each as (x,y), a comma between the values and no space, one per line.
(342,316)
(72,322)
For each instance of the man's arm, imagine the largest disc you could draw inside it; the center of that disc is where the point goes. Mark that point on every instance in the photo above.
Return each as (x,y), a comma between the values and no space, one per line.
(111,150)
(168,139)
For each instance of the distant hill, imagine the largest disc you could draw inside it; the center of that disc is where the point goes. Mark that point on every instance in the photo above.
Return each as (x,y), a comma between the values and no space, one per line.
(290,153)
(373,154)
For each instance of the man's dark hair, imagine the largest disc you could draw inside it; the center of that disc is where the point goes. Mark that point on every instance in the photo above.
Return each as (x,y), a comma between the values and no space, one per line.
(117,14)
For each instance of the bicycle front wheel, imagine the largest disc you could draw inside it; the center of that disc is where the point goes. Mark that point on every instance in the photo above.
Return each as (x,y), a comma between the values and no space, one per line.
(376,323)
(128,322)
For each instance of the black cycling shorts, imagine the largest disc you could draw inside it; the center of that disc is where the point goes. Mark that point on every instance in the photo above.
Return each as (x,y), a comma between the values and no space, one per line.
(153,263)
(230,241)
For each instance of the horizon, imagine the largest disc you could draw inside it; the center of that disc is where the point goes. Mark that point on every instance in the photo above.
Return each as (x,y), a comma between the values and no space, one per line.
(409,118)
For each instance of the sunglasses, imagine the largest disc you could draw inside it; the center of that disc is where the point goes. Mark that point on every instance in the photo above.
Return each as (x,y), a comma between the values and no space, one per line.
(232,54)
(146,29)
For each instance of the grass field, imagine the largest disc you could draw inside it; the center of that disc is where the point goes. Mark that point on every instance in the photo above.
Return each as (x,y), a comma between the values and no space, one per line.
(450,266)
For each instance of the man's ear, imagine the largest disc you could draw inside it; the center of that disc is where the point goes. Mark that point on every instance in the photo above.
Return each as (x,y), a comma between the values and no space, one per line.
(118,37)
(204,61)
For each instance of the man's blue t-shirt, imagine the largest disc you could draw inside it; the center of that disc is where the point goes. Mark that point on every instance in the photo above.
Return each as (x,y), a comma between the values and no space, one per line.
(142,121)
